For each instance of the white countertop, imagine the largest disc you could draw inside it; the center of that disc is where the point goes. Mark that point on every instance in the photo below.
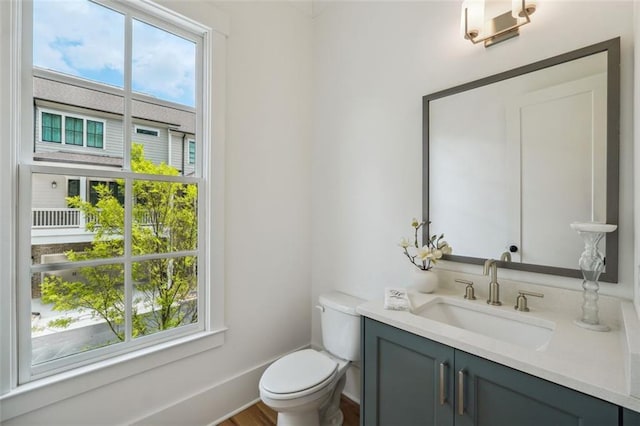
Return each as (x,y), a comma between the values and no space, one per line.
(595,363)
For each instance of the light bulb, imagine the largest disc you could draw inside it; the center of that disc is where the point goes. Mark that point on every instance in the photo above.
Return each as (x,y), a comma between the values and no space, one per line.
(474,10)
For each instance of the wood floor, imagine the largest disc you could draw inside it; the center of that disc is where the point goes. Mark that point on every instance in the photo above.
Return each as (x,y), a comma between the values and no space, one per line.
(261,415)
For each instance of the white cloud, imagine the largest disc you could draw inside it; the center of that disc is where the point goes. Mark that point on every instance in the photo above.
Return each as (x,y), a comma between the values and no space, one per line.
(81,38)
(77,37)
(163,63)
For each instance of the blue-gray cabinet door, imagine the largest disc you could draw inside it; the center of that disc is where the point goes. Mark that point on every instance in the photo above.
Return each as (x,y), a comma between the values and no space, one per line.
(630,418)
(401,380)
(495,395)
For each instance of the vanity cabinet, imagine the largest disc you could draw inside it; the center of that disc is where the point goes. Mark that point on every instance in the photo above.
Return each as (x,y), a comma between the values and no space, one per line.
(630,418)
(410,380)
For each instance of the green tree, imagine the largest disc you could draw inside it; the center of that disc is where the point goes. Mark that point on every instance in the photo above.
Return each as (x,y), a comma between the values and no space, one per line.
(164,221)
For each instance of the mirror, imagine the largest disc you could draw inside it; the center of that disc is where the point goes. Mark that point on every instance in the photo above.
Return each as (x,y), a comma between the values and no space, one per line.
(509,161)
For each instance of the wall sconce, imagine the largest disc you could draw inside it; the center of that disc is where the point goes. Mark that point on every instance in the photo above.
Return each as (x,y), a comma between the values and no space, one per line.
(499,28)
(54,184)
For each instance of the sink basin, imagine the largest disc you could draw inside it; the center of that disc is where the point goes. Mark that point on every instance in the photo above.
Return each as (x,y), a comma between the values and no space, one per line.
(511,327)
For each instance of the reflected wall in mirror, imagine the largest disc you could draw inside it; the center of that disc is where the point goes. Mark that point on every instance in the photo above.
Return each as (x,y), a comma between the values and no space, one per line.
(512,159)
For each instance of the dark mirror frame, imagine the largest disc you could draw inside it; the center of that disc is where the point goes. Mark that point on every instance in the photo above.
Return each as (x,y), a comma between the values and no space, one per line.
(612,47)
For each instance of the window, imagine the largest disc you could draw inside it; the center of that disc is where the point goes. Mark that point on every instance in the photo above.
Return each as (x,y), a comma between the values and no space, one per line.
(135,278)
(70,130)
(73,131)
(96,187)
(95,134)
(73,187)
(51,127)
(192,152)
(147,131)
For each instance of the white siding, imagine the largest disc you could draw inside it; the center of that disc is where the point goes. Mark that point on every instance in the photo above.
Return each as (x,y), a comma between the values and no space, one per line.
(44,196)
(156,148)
(176,150)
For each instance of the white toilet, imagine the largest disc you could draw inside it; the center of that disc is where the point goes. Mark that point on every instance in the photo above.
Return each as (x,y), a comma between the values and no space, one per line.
(304,387)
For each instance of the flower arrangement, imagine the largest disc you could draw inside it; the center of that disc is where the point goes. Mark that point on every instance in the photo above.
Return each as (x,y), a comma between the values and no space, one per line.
(427,255)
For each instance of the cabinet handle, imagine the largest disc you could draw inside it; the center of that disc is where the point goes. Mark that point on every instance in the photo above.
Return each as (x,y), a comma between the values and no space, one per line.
(443,397)
(461,392)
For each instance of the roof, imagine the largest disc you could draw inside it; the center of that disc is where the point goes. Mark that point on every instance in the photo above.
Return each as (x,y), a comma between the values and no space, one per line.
(73,157)
(63,89)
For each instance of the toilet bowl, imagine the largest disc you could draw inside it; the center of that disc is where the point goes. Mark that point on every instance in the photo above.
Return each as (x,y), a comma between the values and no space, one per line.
(302,387)
(305,387)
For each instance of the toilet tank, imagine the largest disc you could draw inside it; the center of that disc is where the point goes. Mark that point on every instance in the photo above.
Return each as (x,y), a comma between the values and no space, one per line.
(340,324)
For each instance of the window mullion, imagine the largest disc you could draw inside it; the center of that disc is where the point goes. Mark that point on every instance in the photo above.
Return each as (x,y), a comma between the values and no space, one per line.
(128,273)
(127,121)
(129,196)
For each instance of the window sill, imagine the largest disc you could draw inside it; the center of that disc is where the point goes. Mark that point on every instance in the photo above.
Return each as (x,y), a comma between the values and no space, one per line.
(43,392)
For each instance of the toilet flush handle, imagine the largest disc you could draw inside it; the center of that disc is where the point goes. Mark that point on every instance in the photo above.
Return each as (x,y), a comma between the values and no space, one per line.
(320,307)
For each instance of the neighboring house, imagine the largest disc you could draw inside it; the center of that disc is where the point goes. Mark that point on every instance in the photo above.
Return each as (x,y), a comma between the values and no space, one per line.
(80,122)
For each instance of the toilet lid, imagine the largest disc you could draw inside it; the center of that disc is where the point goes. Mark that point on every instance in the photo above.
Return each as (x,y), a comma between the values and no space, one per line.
(298,371)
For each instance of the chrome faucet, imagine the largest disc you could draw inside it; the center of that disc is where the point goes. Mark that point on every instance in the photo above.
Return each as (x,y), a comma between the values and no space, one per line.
(491,267)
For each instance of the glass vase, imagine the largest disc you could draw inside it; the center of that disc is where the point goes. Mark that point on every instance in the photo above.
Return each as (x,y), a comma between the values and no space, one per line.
(591,264)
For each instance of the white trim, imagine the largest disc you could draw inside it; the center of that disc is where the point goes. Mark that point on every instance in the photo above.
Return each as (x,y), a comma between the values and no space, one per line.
(9,130)
(61,266)
(107,173)
(208,297)
(214,130)
(52,389)
(232,395)
(24,85)
(17,121)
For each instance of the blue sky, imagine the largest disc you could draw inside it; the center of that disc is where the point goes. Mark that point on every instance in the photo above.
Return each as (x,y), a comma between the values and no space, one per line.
(84,39)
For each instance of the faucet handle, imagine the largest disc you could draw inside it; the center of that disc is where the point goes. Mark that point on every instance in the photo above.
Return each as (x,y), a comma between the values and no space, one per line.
(468,292)
(521,300)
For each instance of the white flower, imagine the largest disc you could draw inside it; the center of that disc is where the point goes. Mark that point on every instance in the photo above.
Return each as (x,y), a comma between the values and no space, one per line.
(427,255)
(444,247)
(424,253)
(404,243)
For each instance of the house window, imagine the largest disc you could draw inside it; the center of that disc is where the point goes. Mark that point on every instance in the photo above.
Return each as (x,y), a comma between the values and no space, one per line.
(147,131)
(73,187)
(95,134)
(116,190)
(138,278)
(74,132)
(71,130)
(192,152)
(51,127)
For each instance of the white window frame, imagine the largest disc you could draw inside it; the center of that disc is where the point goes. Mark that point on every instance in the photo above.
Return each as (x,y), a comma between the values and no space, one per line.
(16,123)
(150,129)
(63,136)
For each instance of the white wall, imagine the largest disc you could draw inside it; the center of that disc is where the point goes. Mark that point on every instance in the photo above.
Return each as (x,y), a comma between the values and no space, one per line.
(267,293)
(636,145)
(351,180)
(374,61)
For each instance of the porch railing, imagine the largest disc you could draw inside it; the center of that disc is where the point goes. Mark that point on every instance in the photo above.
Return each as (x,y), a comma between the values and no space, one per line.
(52,217)
(56,218)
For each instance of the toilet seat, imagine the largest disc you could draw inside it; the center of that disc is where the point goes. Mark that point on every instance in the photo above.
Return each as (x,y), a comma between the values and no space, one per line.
(298,374)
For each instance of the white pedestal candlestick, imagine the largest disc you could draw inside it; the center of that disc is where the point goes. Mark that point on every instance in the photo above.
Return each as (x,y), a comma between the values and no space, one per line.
(591,264)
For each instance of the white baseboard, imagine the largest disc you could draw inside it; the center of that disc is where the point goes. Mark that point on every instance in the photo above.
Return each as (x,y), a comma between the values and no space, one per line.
(234,412)
(212,405)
